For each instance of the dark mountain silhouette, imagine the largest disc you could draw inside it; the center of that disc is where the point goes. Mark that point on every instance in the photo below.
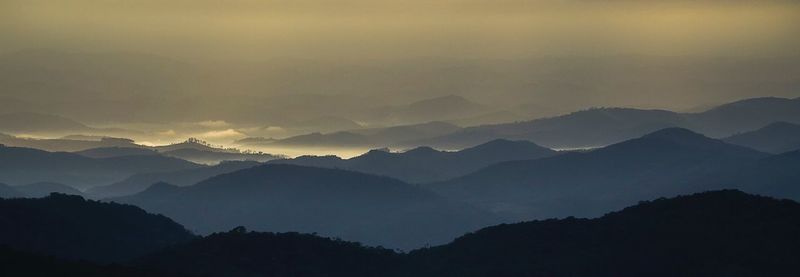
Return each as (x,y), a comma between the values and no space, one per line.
(19,263)
(720,233)
(241,253)
(25,165)
(716,233)
(774,138)
(425,164)
(42,189)
(28,122)
(369,137)
(663,163)
(73,228)
(354,206)
(139,182)
(108,152)
(605,126)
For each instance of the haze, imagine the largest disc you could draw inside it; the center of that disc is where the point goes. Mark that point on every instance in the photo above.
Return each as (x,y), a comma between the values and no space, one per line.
(225,70)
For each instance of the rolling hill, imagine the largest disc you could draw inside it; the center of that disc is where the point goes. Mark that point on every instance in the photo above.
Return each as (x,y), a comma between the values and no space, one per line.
(25,165)
(70,227)
(280,198)
(774,138)
(424,164)
(139,182)
(663,163)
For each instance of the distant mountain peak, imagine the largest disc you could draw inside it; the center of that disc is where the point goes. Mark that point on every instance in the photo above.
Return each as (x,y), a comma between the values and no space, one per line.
(676,134)
(422,150)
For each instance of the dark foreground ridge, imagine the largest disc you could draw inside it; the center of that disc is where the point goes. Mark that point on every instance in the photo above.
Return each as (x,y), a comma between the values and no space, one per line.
(72,228)
(720,233)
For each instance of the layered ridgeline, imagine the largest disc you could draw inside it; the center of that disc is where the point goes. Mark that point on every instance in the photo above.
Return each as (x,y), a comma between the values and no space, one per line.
(365,137)
(193,150)
(242,253)
(72,228)
(663,163)
(425,164)
(720,233)
(350,205)
(605,126)
(775,138)
(25,165)
(139,182)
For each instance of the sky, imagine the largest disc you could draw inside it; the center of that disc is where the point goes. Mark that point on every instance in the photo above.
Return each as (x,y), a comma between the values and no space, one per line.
(278,64)
(359,29)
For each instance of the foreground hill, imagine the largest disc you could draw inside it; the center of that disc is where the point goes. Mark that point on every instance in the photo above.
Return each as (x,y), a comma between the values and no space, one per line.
(70,227)
(24,165)
(279,198)
(721,233)
(139,182)
(425,164)
(775,138)
(663,163)
(241,253)
(20,263)
(717,233)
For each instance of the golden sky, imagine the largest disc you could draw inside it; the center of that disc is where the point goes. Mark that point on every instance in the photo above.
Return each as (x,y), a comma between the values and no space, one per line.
(353,29)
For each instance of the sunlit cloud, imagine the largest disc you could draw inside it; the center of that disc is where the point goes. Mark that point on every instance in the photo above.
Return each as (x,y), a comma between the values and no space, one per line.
(220,134)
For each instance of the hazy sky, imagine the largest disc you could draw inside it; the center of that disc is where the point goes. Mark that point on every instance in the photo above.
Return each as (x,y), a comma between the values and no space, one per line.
(264,62)
(355,29)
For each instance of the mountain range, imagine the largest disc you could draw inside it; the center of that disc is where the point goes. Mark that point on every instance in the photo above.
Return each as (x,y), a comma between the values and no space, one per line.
(717,233)
(377,137)
(595,127)
(714,233)
(25,165)
(663,163)
(775,138)
(72,228)
(354,206)
(139,182)
(605,126)
(424,164)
